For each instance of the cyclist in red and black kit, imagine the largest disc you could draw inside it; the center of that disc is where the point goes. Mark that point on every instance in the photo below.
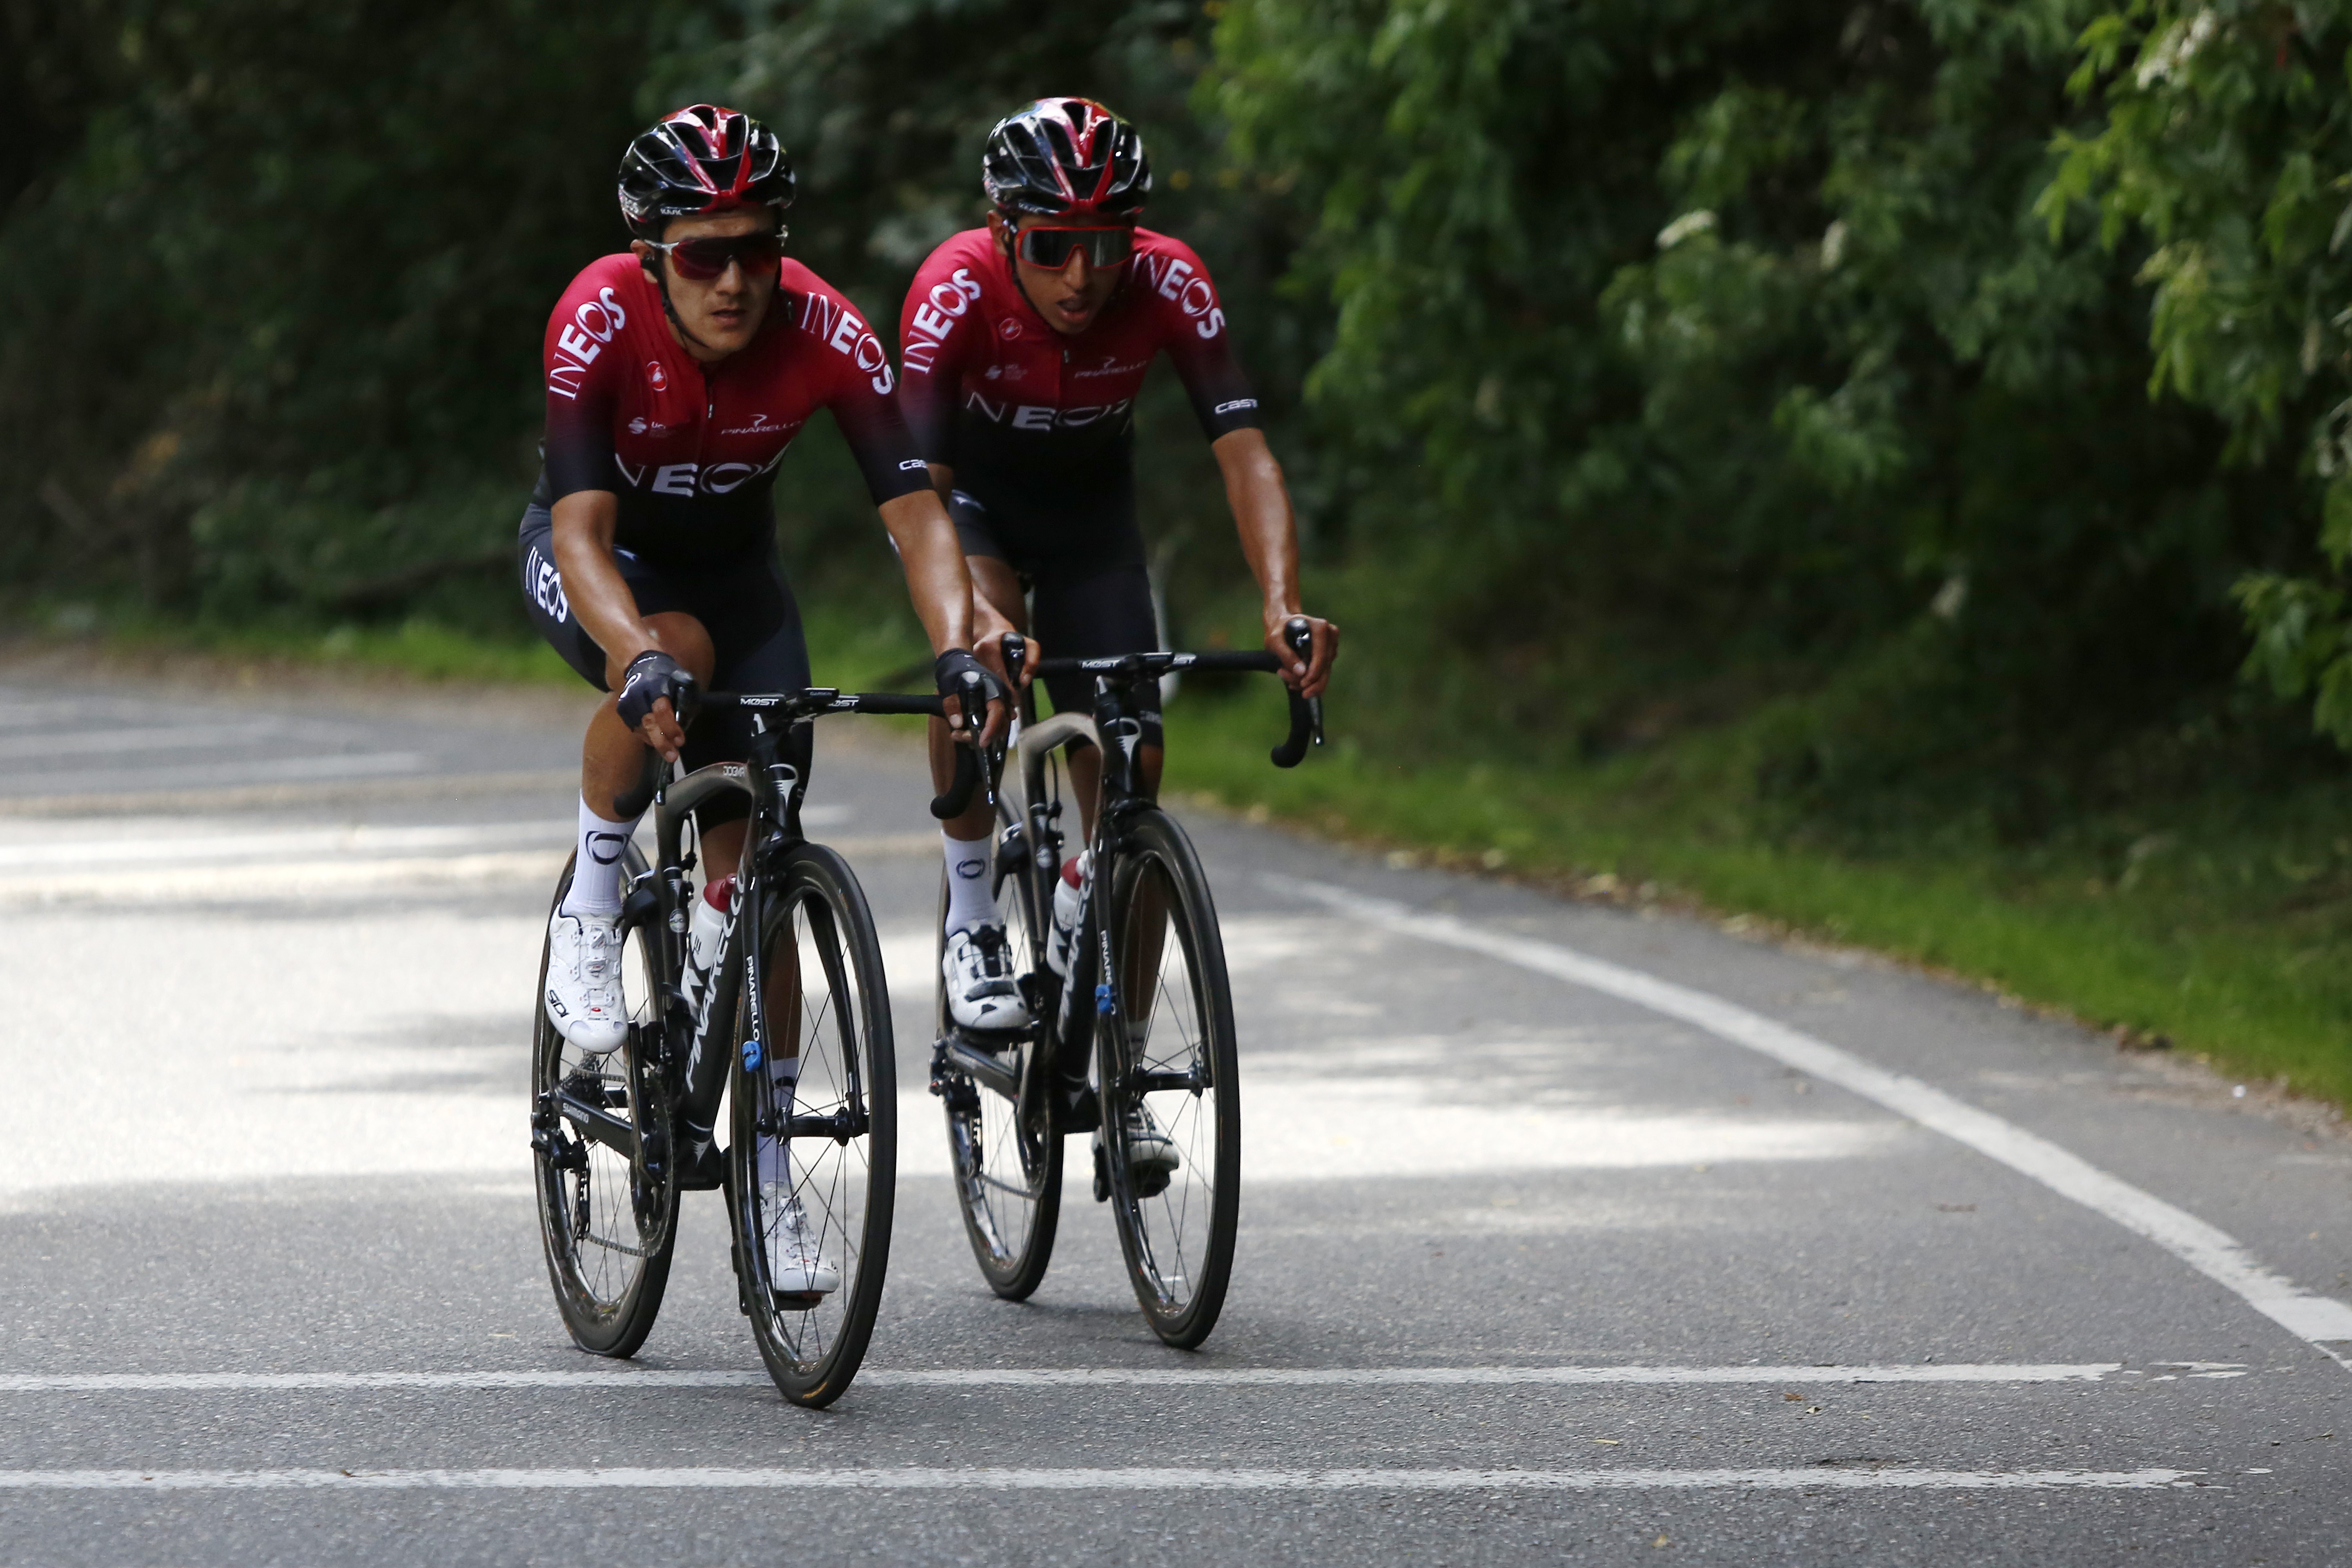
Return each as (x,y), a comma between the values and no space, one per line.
(678,373)
(1023,345)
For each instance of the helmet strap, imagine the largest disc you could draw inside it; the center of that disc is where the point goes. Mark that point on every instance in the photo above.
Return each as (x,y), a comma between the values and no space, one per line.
(661,281)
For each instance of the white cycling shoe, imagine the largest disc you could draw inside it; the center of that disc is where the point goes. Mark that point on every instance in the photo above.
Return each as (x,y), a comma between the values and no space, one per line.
(797,1266)
(1150,1153)
(982,992)
(583,981)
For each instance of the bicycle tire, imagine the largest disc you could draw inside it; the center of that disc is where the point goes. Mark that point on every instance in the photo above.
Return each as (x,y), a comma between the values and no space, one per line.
(1011,1221)
(1176,1233)
(608,1285)
(813,1344)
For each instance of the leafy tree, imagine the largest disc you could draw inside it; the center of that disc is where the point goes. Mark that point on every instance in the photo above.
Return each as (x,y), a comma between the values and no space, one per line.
(1733,345)
(273,303)
(2228,144)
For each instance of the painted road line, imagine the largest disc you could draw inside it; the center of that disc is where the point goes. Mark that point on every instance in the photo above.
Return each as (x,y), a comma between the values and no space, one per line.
(249,770)
(284,844)
(561,782)
(278,879)
(1102,1376)
(1812,1479)
(2323,1321)
(287,844)
(219,737)
(299,879)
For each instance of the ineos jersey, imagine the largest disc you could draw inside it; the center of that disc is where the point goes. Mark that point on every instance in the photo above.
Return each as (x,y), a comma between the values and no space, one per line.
(691,450)
(994,390)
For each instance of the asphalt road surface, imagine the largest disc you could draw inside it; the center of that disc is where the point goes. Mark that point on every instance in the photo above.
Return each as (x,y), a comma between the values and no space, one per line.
(1568,1232)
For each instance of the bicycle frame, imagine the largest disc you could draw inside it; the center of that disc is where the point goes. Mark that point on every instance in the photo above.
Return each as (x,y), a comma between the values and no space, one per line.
(1030,824)
(693,1047)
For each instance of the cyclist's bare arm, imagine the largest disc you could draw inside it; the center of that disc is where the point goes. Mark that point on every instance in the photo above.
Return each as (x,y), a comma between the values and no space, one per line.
(940,583)
(586,522)
(1261,504)
(990,622)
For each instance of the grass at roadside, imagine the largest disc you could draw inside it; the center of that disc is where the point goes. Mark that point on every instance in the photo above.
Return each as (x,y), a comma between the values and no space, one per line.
(2227,936)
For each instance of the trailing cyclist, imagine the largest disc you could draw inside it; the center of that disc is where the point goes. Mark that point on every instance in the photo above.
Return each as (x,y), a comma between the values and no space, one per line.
(678,373)
(1023,344)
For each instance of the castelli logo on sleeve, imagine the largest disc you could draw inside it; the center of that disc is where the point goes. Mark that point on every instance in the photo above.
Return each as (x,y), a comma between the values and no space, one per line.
(654,374)
(1008,329)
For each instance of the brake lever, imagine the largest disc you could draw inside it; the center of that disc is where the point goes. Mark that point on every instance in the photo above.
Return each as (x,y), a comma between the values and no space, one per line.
(1300,636)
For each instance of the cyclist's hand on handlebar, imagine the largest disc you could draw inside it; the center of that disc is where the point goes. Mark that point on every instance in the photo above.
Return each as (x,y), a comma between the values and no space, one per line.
(1009,655)
(1310,675)
(652,693)
(952,670)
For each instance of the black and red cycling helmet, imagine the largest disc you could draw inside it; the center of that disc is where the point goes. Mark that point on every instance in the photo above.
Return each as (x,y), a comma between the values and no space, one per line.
(703,159)
(1066,157)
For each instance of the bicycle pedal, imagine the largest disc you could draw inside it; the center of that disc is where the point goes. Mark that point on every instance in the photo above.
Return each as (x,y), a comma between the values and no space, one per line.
(994,1042)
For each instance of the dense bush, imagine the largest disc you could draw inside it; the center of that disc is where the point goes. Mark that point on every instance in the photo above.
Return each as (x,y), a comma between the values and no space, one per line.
(1686,351)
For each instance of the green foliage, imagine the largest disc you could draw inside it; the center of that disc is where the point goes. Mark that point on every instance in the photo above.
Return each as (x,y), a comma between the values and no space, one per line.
(2228,143)
(274,311)
(1748,348)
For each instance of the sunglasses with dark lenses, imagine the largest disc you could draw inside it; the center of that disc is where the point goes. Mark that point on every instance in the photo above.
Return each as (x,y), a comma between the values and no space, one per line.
(1051,248)
(703,260)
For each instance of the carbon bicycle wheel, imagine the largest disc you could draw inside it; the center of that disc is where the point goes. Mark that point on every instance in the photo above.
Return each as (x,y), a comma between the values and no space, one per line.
(1003,1147)
(1166,1062)
(599,1139)
(811,1170)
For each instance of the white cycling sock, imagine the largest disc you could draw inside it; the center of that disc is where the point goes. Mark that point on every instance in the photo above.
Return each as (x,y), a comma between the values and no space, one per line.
(596,876)
(775,1154)
(970,903)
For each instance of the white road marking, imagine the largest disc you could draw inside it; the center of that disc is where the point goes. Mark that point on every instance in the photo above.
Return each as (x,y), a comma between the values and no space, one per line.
(264,879)
(1087,1377)
(560,785)
(285,843)
(2323,1321)
(224,737)
(1139,1478)
(259,770)
(285,879)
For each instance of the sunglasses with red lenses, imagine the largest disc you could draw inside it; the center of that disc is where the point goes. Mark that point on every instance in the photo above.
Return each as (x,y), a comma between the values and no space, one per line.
(705,261)
(1051,248)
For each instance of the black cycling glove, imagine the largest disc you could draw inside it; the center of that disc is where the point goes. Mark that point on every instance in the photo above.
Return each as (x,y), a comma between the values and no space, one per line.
(652,676)
(956,670)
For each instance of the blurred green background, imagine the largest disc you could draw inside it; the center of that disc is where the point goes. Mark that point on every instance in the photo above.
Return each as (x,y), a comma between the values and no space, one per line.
(1884,467)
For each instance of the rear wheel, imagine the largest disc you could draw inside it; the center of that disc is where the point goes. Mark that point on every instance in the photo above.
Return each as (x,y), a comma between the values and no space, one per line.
(1006,1156)
(813,1157)
(600,1136)
(1167,1070)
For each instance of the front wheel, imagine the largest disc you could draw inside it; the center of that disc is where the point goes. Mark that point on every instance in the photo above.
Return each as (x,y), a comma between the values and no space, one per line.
(1171,1140)
(599,1131)
(813,1156)
(1002,1145)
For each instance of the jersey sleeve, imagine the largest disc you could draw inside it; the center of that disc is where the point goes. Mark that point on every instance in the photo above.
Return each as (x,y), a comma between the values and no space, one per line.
(581,395)
(1192,329)
(861,390)
(937,330)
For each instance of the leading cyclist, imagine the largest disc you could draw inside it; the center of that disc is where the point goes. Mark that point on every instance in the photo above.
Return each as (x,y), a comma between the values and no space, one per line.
(1023,344)
(678,373)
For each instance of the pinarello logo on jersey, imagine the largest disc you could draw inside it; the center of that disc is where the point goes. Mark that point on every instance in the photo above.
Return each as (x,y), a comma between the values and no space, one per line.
(654,374)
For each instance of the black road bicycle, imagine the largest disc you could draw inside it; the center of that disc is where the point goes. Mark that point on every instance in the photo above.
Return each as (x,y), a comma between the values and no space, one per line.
(1134,1039)
(811,1164)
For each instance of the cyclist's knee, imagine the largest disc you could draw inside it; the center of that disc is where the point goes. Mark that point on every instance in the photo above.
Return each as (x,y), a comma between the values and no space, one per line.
(686,639)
